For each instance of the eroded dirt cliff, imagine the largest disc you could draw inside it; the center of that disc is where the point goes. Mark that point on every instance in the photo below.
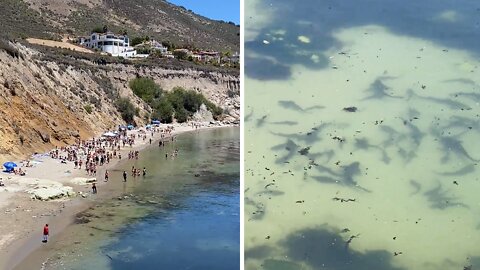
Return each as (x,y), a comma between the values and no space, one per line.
(44,103)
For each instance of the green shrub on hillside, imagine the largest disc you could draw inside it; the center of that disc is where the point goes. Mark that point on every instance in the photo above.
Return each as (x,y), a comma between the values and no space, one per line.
(170,45)
(136,40)
(100,29)
(182,55)
(146,89)
(88,108)
(178,103)
(176,96)
(126,109)
(187,102)
(163,111)
(214,109)
(181,115)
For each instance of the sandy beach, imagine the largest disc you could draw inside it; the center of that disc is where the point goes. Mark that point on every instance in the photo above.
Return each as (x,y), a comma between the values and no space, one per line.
(23,217)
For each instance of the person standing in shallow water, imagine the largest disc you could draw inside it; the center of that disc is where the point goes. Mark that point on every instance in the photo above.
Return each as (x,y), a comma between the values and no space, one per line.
(124,176)
(46,233)
(106,176)
(144,171)
(94,188)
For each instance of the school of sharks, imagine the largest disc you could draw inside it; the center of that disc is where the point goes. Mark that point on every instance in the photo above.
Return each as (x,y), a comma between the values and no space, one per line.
(408,144)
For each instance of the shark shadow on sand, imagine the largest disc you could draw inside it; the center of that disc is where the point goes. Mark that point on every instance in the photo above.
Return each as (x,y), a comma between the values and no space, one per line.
(344,176)
(451,145)
(378,89)
(451,104)
(467,169)
(310,137)
(290,146)
(363,144)
(439,199)
(291,105)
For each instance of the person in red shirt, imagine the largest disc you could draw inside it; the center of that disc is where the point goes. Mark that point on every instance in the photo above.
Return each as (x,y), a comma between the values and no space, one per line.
(45,233)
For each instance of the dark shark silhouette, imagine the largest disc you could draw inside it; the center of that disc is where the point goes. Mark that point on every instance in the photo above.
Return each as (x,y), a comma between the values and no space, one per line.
(363,144)
(344,177)
(291,105)
(439,199)
(379,90)
(454,105)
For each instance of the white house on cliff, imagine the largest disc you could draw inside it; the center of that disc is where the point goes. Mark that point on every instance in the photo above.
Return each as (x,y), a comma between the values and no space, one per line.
(107,42)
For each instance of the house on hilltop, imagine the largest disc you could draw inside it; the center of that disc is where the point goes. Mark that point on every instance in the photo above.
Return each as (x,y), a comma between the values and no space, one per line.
(151,45)
(206,56)
(116,45)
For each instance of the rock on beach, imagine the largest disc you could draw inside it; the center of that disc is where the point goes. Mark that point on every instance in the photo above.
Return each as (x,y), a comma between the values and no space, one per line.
(46,190)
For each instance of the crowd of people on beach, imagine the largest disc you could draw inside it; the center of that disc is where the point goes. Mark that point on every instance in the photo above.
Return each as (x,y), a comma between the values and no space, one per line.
(91,155)
(98,152)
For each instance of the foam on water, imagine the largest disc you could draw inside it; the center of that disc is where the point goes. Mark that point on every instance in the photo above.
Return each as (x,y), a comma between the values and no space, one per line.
(396,156)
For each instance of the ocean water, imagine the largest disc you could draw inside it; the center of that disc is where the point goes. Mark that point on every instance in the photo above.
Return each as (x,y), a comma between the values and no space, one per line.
(171,219)
(361,130)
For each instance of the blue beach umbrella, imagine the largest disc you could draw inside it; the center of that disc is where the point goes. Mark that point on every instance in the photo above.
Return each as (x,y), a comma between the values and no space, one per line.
(9,166)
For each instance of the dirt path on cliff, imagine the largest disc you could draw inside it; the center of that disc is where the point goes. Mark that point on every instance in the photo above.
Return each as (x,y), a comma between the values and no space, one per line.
(61,44)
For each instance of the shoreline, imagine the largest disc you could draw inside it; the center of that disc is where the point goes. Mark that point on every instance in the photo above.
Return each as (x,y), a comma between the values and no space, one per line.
(23,241)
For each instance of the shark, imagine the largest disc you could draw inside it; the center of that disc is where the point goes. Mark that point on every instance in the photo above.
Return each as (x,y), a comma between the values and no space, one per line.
(365,145)
(291,105)
(379,90)
(470,95)
(455,146)
(462,171)
(344,177)
(454,105)
(439,199)
(291,147)
(310,137)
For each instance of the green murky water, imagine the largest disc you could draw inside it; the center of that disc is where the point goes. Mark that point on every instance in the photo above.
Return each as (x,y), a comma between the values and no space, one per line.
(361,129)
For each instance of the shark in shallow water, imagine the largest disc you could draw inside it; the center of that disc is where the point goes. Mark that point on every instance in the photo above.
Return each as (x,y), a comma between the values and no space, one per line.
(290,146)
(378,89)
(365,145)
(345,176)
(310,137)
(452,145)
(438,199)
(467,169)
(291,105)
(452,104)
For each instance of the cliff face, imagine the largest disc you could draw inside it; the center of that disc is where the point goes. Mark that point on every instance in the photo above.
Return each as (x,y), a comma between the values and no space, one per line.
(44,104)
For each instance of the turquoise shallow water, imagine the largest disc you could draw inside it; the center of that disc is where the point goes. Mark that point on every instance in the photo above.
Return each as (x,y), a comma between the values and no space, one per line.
(171,219)
(361,129)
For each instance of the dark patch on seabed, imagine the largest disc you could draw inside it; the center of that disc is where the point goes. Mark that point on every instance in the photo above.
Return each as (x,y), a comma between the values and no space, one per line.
(322,248)
(319,19)
(263,69)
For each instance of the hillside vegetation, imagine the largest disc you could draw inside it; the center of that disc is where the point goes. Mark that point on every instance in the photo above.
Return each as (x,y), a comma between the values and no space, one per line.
(52,96)
(49,100)
(157,18)
(180,104)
